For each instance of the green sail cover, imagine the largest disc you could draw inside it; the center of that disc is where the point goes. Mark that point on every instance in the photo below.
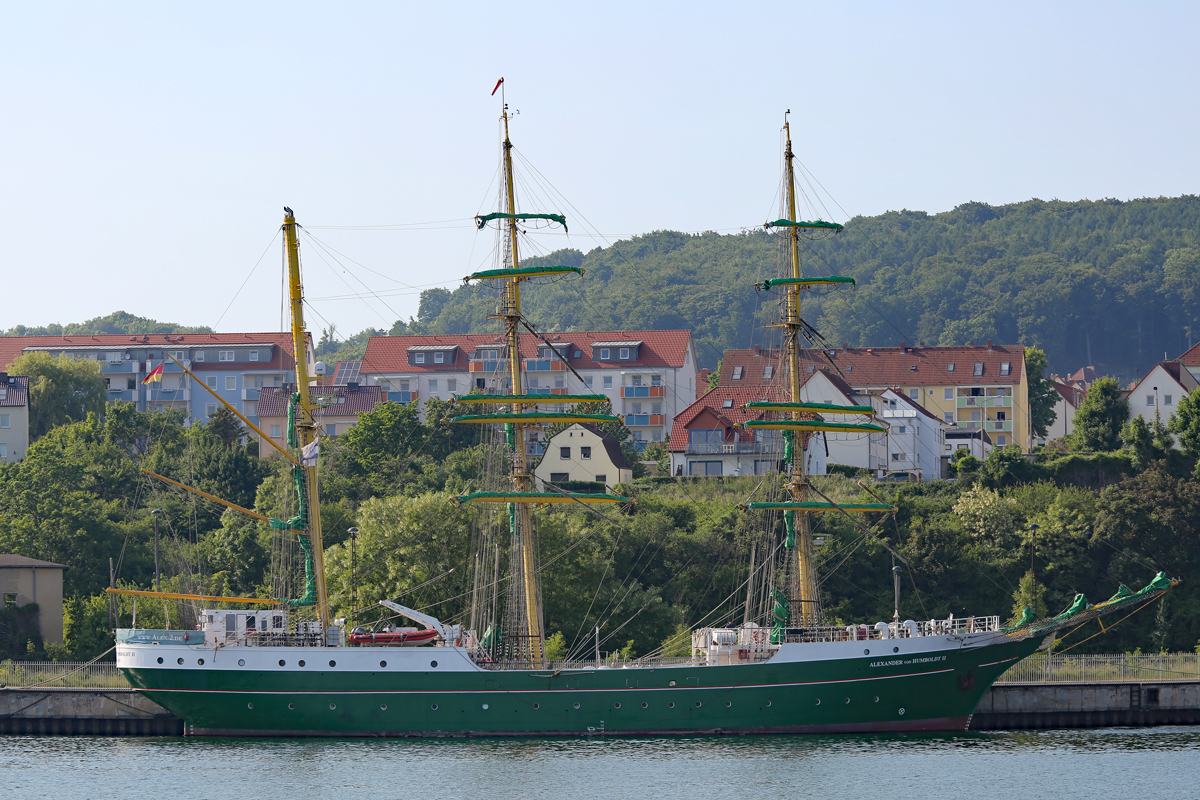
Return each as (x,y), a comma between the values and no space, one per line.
(484,219)
(816,223)
(823,408)
(537,497)
(1027,618)
(819,281)
(522,272)
(789,524)
(557,399)
(815,505)
(814,425)
(531,417)
(779,615)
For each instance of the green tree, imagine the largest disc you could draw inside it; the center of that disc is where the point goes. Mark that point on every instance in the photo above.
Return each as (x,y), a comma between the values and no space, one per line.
(1100,418)
(1150,442)
(1186,427)
(226,426)
(61,390)
(1042,394)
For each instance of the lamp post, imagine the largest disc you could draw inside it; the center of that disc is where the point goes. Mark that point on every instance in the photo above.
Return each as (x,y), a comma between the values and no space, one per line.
(1033,529)
(156,514)
(353,573)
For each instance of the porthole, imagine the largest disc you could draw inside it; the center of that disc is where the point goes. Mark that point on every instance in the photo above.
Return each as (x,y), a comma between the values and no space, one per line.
(300,662)
(895,649)
(383,663)
(728,704)
(332,663)
(333,706)
(672,683)
(160,659)
(876,698)
(485,706)
(818,701)
(768,704)
(291,706)
(536,706)
(697,704)
(179,661)
(250,705)
(200,661)
(847,701)
(282,662)
(645,705)
(866,652)
(902,712)
(241,662)
(577,705)
(434,706)
(383,706)
(433,664)
(618,705)
(670,705)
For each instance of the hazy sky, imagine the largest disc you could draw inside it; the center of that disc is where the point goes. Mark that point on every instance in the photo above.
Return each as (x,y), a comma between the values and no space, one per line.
(146,150)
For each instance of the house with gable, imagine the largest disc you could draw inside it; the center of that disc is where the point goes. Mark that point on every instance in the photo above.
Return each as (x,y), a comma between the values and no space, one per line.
(916,438)
(14,417)
(583,452)
(1160,390)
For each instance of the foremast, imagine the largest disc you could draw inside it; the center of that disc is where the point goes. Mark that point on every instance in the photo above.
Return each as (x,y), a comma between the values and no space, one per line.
(524,636)
(304,427)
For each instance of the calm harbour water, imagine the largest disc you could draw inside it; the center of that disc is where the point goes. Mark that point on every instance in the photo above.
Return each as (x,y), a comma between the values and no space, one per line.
(1157,763)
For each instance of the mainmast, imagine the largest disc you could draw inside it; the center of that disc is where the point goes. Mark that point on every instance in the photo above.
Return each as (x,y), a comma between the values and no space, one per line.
(524,635)
(305,427)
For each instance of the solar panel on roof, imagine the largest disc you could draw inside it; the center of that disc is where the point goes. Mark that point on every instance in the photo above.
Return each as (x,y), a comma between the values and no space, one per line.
(347,372)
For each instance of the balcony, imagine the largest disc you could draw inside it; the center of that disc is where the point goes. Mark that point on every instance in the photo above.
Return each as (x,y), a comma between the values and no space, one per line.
(641,420)
(770,449)
(985,402)
(641,391)
(251,394)
(998,425)
(488,366)
(544,365)
(400,397)
(545,390)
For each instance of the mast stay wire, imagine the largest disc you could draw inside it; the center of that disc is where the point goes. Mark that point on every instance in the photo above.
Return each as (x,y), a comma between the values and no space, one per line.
(270,244)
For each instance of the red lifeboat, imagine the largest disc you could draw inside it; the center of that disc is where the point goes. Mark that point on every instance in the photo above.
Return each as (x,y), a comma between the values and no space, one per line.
(395,637)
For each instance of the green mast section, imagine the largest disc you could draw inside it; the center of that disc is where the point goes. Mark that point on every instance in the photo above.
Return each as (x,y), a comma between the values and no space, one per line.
(299,523)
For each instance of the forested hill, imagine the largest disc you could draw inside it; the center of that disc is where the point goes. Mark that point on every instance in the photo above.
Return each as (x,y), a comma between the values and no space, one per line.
(1109,283)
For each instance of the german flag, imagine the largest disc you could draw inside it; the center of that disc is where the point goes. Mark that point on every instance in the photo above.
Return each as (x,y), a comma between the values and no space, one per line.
(154,375)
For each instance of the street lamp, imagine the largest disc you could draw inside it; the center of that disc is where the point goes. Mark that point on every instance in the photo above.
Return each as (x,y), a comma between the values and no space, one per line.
(156,514)
(353,572)
(1033,529)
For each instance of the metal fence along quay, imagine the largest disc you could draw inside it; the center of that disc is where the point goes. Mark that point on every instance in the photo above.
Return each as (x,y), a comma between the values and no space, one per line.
(1138,667)
(1035,669)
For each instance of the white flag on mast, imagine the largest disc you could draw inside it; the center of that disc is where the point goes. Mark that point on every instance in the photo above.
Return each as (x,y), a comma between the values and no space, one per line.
(309,453)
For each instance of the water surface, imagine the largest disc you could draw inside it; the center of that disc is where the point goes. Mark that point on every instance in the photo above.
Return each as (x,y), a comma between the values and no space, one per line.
(1159,763)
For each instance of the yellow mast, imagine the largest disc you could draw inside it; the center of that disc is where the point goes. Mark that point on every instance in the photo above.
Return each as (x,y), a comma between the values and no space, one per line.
(523,532)
(805,611)
(306,429)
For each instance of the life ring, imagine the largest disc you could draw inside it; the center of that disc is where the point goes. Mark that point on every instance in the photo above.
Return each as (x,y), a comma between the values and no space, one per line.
(759,636)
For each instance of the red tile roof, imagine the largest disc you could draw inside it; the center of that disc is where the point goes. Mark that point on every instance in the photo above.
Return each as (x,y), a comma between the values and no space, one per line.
(272,402)
(1191,356)
(882,367)
(714,402)
(387,354)
(17,390)
(12,346)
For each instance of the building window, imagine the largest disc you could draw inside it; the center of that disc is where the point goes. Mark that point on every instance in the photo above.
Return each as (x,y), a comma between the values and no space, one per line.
(1166,399)
(211,380)
(656,436)
(179,354)
(433,385)
(274,431)
(4,420)
(10,600)
(636,380)
(947,394)
(254,355)
(588,381)
(225,355)
(737,373)
(948,416)
(656,408)
(578,354)
(656,380)
(3,451)
(1001,440)
(637,408)
(768,371)
(451,384)
(895,456)
(607,381)
(439,358)
(418,358)
(916,458)
(1005,367)
(915,431)
(624,353)
(727,402)
(601,479)
(604,354)
(199,356)
(559,383)
(560,477)
(404,386)
(564,453)
(585,453)
(210,409)
(230,383)
(130,384)
(914,394)
(978,368)
(258,381)
(533,383)
(902,429)
(331,429)
(950,367)
(1149,399)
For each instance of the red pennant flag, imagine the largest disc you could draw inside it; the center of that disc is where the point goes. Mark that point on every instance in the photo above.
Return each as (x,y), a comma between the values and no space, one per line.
(497,86)
(154,375)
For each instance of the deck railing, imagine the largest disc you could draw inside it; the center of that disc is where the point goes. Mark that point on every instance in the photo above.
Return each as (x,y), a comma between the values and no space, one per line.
(61,675)
(1105,668)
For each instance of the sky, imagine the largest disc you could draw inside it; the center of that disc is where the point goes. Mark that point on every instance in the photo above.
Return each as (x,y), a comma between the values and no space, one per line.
(147,149)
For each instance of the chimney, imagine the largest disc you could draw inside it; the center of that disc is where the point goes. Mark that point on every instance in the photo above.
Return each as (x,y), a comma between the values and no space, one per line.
(971,343)
(904,347)
(758,349)
(989,344)
(845,347)
(922,344)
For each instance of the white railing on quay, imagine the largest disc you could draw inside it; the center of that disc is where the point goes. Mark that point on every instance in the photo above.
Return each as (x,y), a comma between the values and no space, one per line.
(61,675)
(1131,667)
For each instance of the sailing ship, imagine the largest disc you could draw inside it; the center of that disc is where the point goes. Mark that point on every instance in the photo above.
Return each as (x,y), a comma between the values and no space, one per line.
(283,667)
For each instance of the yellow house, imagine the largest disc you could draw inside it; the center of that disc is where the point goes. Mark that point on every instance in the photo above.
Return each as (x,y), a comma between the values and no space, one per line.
(27,580)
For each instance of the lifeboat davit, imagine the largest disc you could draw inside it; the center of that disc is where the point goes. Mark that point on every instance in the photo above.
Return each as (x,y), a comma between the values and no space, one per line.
(397,637)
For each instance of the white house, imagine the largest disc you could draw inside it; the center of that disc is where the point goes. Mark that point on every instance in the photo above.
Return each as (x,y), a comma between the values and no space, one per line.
(1160,391)
(863,450)
(916,439)
(583,452)
(14,417)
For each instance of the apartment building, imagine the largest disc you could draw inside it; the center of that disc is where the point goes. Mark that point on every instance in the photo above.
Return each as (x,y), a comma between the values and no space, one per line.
(237,366)
(14,417)
(969,388)
(649,376)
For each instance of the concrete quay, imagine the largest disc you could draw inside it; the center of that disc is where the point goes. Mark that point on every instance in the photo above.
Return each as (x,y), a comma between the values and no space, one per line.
(84,712)
(1008,706)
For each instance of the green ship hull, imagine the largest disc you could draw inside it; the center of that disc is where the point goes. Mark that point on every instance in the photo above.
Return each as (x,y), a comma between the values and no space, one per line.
(916,690)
